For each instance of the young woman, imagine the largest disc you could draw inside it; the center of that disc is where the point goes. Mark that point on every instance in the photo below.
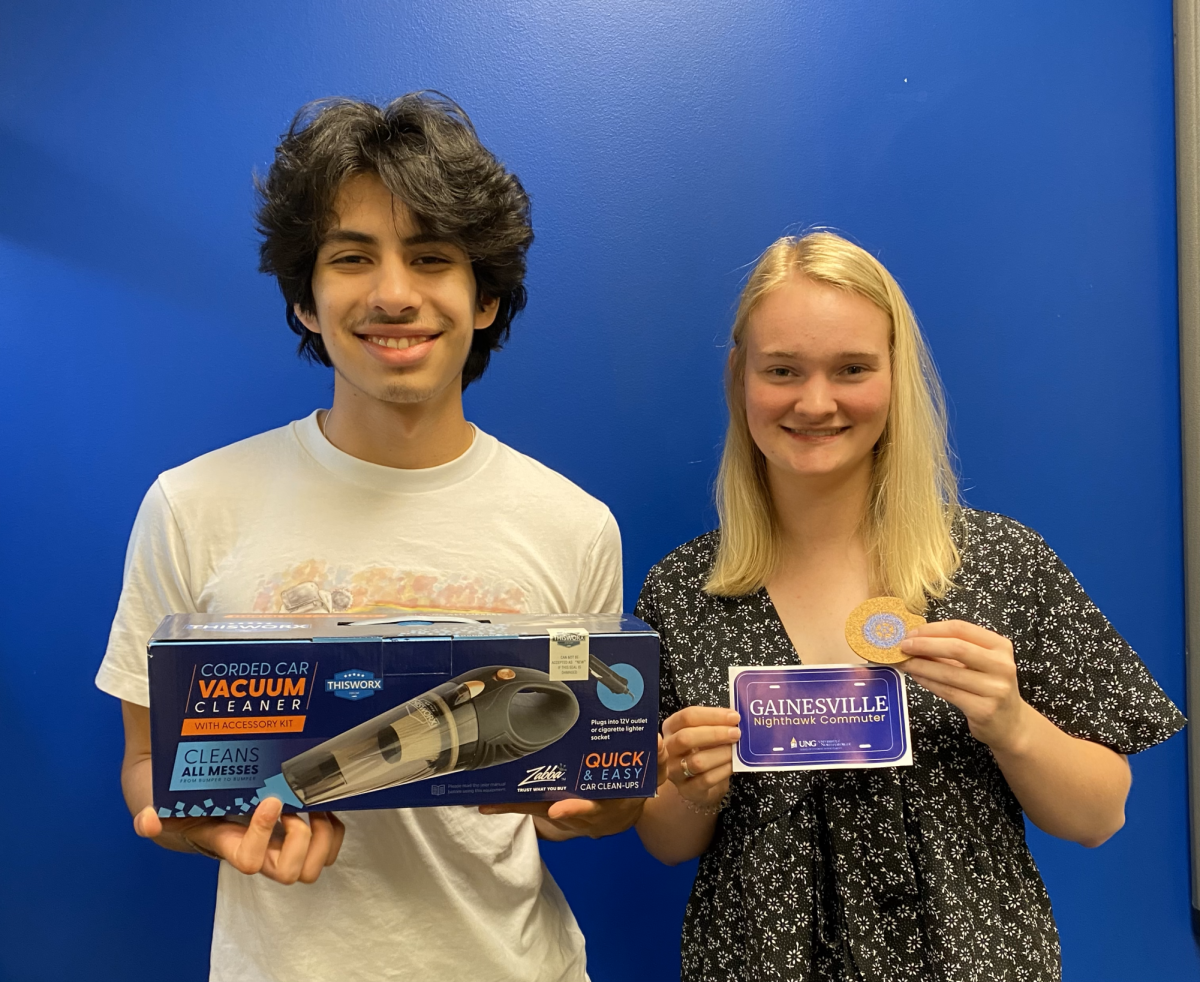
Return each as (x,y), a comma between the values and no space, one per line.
(836,486)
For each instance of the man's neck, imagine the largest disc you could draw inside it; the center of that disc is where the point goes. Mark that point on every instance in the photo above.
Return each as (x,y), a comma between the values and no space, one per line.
(410,435)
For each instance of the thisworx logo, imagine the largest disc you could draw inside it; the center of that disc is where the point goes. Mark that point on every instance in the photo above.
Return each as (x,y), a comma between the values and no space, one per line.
(546,774)
(353,684)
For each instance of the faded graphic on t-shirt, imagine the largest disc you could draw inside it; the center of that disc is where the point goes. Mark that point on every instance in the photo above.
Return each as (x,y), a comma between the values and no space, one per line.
(314,587)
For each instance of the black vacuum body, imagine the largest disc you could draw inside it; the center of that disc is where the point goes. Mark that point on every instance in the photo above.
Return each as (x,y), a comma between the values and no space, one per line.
(485,717)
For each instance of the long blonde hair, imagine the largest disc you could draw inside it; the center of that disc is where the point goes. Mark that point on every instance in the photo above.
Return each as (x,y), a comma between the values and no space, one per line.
(914,493)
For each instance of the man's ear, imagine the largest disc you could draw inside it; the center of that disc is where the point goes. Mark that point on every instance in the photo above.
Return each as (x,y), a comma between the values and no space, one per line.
(485,312)
(308,320)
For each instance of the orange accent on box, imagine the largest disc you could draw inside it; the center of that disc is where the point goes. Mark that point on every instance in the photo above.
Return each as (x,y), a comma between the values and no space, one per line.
(243,724)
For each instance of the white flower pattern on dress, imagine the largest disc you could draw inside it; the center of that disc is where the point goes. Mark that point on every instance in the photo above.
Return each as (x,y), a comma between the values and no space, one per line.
(916,873)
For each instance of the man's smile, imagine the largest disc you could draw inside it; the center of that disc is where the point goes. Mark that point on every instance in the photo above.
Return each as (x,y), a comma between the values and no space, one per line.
(398,346)
(399,343)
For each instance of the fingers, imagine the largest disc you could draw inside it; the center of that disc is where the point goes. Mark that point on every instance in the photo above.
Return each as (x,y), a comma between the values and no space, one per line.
(147,824)
(963,630)
(701,761)
(966,653)
(683,742)
(996,685)
(596,818)
(707,780)
(249,849)
(284,862)
(538,808)
(573,808)
(699,716)
(339,834)
(322,847)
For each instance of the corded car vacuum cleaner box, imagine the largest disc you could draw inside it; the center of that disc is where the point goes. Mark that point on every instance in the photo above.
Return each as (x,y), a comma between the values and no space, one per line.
(330,713)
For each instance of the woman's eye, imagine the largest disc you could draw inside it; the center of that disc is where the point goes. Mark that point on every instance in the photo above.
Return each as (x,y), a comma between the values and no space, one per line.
(779,371)
(855,369)
(350,260)
(430,260)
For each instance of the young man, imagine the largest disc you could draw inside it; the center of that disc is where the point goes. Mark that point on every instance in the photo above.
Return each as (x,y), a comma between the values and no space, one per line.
(399,245)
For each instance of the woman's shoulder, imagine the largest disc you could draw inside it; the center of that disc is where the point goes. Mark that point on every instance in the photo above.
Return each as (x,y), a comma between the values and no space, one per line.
(687,565)
(987,535)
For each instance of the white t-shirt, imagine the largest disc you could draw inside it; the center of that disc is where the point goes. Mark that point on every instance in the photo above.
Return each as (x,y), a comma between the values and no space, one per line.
(286,522)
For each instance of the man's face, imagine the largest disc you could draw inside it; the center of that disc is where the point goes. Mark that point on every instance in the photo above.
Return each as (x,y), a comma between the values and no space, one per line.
(396,309)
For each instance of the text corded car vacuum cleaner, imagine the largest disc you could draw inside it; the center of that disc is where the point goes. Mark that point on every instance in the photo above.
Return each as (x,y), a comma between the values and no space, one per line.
(485,717)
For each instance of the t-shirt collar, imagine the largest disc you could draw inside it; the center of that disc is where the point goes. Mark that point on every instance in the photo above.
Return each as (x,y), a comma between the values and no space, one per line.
(395,480)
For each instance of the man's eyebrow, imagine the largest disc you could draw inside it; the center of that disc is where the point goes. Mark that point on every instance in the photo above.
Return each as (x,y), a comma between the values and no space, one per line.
(349,235)
(365,238)
(426,238)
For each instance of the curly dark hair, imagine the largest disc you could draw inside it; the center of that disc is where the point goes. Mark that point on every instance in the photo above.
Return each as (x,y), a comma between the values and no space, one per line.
(424,148)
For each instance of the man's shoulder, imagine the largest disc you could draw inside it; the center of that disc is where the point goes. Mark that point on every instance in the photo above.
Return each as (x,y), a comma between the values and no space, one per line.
(233,468)
(543,487)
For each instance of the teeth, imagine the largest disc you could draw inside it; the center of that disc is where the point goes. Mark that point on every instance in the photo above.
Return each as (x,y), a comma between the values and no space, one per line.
(398,343)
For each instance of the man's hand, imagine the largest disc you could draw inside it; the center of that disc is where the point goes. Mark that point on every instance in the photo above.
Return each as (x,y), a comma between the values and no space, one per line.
(572,817)
(284,848)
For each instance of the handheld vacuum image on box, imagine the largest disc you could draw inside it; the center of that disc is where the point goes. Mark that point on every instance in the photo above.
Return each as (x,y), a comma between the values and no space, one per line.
(328,712)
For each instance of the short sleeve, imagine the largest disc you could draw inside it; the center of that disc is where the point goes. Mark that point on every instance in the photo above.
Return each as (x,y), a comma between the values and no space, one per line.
(601,590)
(1077,670)
(647,609)
(155,584)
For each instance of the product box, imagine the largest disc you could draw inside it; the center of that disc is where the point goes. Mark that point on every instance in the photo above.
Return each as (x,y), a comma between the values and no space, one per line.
(329,712)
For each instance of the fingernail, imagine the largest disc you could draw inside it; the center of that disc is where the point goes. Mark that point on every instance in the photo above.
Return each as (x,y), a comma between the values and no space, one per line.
(734,718)
(906,645)
(735,733)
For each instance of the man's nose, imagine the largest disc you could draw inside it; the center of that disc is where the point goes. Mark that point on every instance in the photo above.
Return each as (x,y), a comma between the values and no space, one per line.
(394,287)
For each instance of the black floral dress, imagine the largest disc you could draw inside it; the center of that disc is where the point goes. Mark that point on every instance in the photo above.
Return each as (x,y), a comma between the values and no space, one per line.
(892,874)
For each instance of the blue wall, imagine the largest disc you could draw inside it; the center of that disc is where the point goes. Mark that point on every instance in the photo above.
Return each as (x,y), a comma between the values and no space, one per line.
(1012,163)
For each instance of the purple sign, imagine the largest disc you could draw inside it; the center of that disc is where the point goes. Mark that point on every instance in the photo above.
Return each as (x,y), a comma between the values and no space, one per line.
(820,717)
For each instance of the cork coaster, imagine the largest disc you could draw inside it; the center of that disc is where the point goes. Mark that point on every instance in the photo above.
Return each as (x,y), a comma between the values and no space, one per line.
(876,627)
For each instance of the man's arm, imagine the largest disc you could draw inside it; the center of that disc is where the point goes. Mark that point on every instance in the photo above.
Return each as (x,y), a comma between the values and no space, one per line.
(283,848)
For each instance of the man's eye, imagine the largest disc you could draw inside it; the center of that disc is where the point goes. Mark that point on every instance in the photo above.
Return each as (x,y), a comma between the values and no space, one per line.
(350,260)
(779,371)
(430,260)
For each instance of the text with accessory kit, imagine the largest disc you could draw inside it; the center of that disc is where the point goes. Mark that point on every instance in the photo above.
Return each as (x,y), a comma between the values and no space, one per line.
(331,712)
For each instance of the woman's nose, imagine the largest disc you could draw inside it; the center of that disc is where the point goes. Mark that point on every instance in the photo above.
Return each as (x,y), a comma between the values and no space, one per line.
(815,398)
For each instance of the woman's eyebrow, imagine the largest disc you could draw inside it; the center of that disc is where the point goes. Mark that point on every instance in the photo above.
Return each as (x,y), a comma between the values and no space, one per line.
(838,356)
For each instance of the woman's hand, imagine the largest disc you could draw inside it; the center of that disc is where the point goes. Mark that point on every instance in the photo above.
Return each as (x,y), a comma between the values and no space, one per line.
(698,748)
(974,669)
(1071,788)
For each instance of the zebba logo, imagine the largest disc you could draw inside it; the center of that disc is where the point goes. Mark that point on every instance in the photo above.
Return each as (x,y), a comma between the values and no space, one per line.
(353,684)
(613,770)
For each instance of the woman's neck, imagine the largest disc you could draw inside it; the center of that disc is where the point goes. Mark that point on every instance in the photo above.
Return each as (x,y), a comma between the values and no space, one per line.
(819,512)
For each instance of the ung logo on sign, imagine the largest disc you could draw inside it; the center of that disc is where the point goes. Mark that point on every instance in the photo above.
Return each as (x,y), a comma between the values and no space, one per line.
(353,684)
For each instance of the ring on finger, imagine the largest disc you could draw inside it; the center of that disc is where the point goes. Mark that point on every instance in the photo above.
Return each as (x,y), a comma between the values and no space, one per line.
(687,770)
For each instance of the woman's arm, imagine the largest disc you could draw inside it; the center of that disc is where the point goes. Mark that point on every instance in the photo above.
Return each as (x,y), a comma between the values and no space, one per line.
(698,746)
(1070,788)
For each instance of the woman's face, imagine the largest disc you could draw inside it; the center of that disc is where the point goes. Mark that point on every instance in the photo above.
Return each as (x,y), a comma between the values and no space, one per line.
(818,379)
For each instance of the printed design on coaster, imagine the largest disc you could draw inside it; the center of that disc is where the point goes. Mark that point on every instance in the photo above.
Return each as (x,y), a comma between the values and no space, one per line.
(876,627)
